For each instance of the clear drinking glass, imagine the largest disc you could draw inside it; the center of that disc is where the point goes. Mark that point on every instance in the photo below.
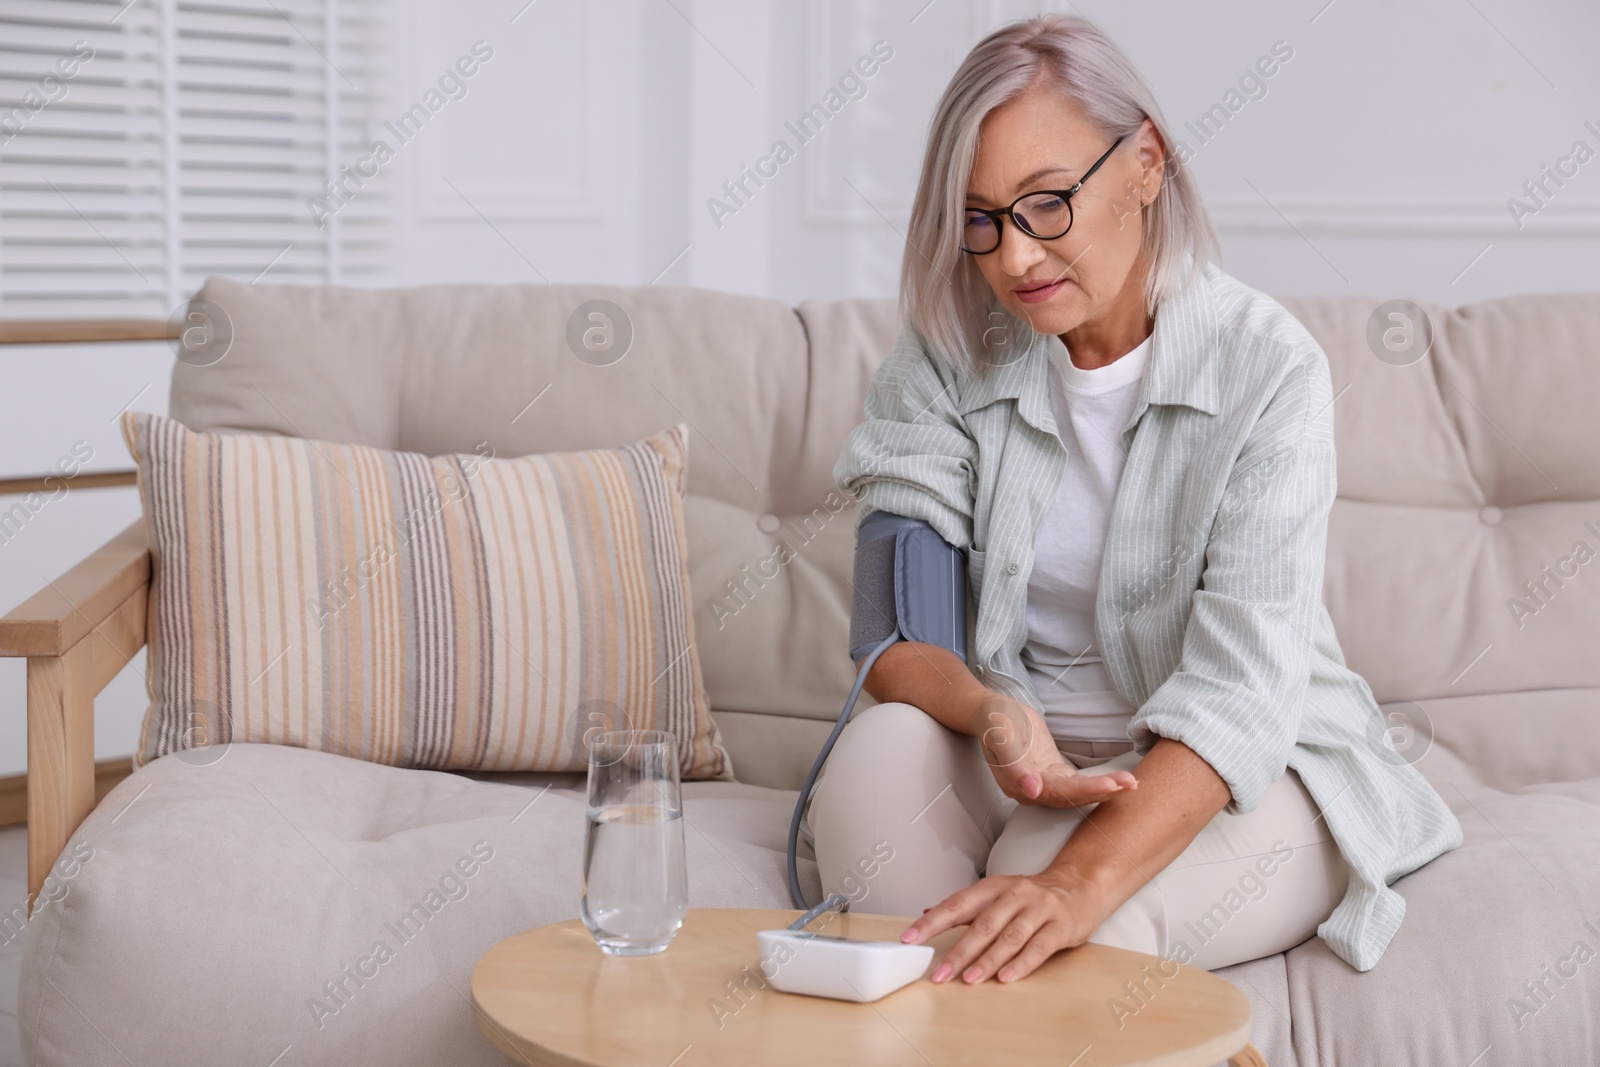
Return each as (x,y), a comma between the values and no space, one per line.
(635,886)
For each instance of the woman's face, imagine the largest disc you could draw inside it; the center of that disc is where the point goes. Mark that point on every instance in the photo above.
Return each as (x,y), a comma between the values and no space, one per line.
(1041,140)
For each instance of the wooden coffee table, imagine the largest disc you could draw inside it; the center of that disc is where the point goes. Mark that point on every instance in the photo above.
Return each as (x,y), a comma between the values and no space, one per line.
(550,998)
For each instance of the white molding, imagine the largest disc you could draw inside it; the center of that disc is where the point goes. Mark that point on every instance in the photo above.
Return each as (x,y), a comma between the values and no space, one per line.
(520,202)
(506,204)
(1380,218)
(818,206)
(1405,219)
(821,204)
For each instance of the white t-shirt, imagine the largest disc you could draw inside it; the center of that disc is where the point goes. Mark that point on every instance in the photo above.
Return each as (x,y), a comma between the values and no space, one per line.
(1062,654)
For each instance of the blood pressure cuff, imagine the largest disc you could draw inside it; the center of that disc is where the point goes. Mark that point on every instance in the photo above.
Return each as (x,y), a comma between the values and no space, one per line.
(907,578)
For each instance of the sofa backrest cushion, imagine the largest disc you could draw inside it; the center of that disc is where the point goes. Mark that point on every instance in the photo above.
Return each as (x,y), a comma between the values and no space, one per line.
(1469,497)
(1466,478)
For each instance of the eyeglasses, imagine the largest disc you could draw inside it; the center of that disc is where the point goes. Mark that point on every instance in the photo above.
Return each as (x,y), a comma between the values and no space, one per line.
(1046,214)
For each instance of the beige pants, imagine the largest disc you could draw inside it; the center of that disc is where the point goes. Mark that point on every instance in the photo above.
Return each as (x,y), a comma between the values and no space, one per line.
(1248,885)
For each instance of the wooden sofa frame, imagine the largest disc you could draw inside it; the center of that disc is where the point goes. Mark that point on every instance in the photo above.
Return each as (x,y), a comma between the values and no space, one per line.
(76,634)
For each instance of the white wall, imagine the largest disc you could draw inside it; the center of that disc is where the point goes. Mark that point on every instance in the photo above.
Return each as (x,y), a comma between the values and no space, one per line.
(1378,162)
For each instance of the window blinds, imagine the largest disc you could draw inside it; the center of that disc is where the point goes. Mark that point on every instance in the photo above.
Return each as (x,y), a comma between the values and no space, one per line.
(145,145)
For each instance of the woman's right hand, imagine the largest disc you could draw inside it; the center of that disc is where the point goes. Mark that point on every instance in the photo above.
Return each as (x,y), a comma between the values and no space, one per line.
(1026,763)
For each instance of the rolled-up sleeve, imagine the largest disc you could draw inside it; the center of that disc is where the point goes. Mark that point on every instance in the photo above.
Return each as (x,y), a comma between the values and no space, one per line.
(912,455)
(1237,695)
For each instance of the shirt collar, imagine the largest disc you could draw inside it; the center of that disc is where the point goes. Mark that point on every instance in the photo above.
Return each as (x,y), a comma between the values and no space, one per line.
(1182,367)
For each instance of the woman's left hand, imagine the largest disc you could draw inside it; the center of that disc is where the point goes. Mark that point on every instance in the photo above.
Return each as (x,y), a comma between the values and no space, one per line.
(1015,923)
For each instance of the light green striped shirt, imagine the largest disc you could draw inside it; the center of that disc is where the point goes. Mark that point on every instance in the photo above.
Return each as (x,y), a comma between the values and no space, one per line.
(1209,612)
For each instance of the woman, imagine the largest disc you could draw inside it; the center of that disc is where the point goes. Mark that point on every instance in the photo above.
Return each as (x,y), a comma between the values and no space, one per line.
(1157,745)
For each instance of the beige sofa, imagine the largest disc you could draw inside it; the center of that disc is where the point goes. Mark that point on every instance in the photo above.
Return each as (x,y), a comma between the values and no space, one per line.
(217,902)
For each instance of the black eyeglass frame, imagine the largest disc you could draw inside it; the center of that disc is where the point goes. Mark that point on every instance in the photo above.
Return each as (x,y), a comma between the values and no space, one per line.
(1065,194)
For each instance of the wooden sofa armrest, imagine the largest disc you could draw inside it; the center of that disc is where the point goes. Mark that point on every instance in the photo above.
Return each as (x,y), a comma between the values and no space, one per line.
(76,635)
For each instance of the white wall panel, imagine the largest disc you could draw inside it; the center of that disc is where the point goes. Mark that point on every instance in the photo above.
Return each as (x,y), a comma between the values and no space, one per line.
(1378,159)
(532,176)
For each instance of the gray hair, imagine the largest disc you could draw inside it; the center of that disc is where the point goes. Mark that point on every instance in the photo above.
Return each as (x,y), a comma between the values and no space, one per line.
(944,299)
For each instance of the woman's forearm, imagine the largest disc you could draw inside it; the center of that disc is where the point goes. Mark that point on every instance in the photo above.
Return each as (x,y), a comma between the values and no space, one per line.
(931,678)
(1130,837)
(1013,737)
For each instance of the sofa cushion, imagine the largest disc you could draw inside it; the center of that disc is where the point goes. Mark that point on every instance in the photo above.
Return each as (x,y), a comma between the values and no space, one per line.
(1498,959)
(263,931)
(467,611)
(309,860)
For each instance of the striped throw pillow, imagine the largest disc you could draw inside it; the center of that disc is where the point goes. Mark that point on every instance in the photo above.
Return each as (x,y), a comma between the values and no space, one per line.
(466,612)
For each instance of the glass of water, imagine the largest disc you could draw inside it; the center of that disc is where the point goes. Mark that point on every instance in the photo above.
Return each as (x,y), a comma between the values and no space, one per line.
(635,887)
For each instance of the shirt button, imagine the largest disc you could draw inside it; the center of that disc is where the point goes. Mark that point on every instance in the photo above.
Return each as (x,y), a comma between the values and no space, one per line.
(978,668)
(1011,568)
